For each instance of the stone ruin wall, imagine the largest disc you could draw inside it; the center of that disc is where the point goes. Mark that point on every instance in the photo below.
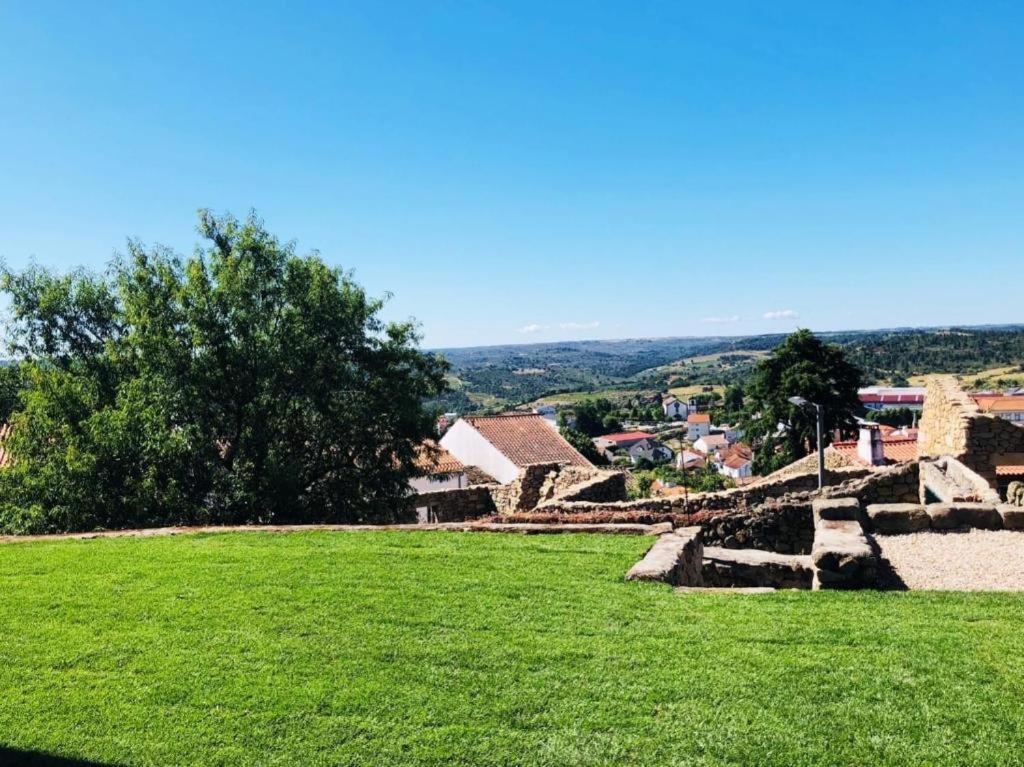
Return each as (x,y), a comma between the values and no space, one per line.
(773,517)
(535,485)
(952,425)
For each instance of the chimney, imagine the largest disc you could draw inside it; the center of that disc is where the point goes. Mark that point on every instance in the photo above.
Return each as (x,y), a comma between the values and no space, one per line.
(869,445)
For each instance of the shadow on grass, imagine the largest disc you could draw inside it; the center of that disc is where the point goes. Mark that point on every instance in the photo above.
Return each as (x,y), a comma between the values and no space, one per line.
(15,757)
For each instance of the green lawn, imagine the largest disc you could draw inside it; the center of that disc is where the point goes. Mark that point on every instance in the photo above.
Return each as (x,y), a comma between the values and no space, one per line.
(446,648)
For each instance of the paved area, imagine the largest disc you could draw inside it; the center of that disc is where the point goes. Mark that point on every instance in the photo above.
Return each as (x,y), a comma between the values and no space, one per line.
(973,560)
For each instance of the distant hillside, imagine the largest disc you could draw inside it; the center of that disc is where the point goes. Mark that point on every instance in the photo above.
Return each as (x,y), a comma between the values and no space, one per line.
(496,377)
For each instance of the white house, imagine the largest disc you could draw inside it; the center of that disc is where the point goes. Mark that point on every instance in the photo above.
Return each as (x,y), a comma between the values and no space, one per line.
(736,461)
(688,460)
(674,409)
(710,443)
(649,449)
(697,425)
(736,466)
(501,445)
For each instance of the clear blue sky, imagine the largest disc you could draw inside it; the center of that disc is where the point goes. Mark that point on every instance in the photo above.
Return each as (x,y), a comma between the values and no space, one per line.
(541,171)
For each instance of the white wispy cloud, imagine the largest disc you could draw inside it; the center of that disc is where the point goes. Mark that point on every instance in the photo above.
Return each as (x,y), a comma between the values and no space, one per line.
(532,328)
(781,314)
(579,325)
(720,320)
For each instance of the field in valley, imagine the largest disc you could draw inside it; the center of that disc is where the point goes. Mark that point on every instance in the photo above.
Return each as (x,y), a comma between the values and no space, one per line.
(446,648)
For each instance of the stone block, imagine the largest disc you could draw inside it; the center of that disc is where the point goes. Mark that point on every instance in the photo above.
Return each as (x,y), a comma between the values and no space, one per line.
(842,557)
(1013,517)
(675,558)
(826,509)
(745,568)
(897,518)
(949,516)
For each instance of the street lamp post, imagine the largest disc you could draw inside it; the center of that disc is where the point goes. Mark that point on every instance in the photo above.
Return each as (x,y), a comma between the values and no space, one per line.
(820,410)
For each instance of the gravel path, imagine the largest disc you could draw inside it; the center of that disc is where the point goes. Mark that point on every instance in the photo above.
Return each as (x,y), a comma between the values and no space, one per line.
(975,560)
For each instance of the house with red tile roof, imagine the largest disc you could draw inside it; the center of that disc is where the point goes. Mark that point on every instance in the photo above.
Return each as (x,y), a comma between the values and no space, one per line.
(502,445)
(438,469)
(875,447)
(1009,408)
(697,425)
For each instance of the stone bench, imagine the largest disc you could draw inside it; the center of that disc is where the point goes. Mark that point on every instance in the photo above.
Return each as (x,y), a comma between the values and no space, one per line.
(745,568)
(841,555)
(675,558)
(896,518)
(1013,517)
(949,516)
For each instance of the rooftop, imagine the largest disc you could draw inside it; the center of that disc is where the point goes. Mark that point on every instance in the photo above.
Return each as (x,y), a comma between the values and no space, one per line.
(895,450)
(626,436)
(431,458)
(698,418)
(999,404)
(526,438)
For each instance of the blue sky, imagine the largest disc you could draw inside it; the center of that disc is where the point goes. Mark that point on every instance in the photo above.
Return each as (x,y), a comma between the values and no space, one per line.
(543,171)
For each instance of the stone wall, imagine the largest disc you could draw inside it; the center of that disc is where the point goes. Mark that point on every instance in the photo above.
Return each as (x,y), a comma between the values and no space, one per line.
(457,504)
(604,487)
(782,526)
(893,484)
(952,425)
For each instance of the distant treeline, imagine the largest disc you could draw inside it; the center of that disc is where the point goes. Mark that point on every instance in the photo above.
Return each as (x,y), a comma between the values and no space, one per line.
(502,376)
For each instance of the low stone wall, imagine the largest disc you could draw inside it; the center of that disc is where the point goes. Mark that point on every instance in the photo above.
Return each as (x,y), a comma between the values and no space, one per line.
(749,568)
(676,558)
(781,526)
(606,487)
(541,484)
(456,504)
(893,484)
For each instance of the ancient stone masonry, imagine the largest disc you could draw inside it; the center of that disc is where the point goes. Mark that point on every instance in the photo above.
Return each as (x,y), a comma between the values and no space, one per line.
(456,504)
(952,425)
(675,558)
(947,480)
(781,526)
(842,556)
(893,484)
(746,568)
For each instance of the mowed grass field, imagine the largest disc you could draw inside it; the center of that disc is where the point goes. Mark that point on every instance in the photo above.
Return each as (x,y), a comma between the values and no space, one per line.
(475,649)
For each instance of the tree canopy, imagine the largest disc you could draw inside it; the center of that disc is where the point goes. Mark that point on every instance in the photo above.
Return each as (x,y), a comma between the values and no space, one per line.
(245,383)
(801,366)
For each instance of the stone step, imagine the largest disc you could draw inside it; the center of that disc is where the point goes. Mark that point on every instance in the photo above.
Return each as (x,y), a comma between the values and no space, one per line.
(756,568)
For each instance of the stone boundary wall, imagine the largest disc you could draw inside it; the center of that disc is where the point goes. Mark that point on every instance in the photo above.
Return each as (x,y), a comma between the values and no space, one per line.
(457,504)
(606,487)
(537,484)
(900,483)
(782,526)
(952,425)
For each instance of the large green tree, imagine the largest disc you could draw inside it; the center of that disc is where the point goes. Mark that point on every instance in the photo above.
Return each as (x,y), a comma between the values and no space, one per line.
(801,366)
(245,383)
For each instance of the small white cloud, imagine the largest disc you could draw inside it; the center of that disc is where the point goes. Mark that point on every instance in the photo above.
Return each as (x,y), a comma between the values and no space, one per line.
(781,314)
(532,328)
(720,320)
(579,325)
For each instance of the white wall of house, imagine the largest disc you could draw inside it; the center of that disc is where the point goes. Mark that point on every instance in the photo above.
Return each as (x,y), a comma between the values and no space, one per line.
(695,431)
(741,472)
(469,446)
(675,409)
(436,482)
